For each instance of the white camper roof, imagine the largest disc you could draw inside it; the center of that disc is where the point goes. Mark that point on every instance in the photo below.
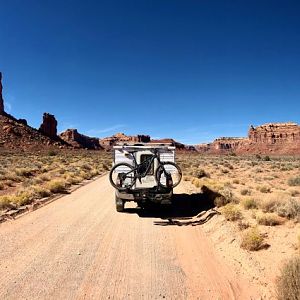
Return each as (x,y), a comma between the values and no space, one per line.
(144,146)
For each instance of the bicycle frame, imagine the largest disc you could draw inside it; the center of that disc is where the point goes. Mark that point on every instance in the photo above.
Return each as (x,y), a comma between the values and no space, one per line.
(137,166)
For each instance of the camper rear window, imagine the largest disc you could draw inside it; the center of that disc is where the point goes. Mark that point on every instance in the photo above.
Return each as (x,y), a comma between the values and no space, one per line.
(145,157)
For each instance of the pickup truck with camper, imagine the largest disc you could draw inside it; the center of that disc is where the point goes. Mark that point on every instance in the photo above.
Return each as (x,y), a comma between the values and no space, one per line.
(144,173)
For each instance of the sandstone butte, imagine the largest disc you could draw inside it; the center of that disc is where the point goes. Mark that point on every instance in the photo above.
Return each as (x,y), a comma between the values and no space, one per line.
(271,138)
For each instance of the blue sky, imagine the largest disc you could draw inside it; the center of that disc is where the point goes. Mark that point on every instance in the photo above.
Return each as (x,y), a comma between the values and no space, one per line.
(191,70)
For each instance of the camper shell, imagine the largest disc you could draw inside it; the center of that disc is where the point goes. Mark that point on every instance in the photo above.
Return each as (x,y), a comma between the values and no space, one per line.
(147,191)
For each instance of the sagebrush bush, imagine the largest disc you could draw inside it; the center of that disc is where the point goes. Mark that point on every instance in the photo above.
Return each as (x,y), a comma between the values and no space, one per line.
(201,173)
(269,219)
(245,192)
(294,181)
(289,209)
(5,202)
(249,203)
(252,239)
(231,212)
(56,186)
(288,284)
(265,189)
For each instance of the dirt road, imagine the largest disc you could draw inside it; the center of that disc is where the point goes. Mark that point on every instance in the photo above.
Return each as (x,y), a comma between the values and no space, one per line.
(78,247)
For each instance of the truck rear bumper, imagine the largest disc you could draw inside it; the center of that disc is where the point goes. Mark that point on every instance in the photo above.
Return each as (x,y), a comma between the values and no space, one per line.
(163,196)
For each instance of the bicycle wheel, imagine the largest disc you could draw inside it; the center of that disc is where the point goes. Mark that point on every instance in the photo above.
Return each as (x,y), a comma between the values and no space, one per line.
(122,176)
(168,175)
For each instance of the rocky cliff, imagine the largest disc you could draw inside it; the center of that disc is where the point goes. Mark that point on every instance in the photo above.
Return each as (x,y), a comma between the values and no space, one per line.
(108,142)
(16,134)
(78,140)
(49,126)
(276,138)
(1,98)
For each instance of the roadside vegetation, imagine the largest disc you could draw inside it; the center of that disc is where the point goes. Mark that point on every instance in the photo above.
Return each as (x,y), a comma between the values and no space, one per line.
(253,190)
(26,177)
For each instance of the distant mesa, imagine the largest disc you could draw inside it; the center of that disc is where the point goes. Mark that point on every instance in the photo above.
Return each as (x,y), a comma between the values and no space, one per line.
(109,142)
(179,146)
(78,140)
(271,138)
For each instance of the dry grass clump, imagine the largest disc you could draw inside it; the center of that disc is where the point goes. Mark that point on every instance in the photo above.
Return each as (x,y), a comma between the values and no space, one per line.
(245,192)
(249,203)
(232,212)
(269,219)
(288,284)
(265,189)
(201,173)
(283,205)
(252,239)
(5,202)
(290,209)
(57,186)
(294,181)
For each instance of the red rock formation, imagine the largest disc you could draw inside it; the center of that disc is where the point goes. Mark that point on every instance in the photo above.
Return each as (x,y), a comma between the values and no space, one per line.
(108,142)
(1,98)
(78,140)
(49,126)
(179,146)
(281,138)
(276,138)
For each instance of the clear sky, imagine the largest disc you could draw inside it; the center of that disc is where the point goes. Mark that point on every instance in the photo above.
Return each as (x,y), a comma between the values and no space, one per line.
(191,70)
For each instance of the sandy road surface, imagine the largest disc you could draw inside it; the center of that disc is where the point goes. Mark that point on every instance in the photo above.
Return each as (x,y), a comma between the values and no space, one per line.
(78,247)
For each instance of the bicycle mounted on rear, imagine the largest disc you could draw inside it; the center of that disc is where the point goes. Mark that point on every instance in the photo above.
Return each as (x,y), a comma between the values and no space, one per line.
(123,176)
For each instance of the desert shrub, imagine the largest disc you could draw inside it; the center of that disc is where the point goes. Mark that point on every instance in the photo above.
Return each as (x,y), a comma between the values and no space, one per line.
(242,224)
(13,177)
(86,167)
(245,192)
(106,167)
(269,219)
(201,173)
(249,203)
(71,179)
(44,177)
(5,202)
(23,197)
(267,158)
(23,172)
(294,193)
(252,239)
(231,212)
(223,197)
(288,284)
(56,186)
(265,189)
(235,181)
(52,153)
(41,192)
(2,186)
(289,209)
(294,181)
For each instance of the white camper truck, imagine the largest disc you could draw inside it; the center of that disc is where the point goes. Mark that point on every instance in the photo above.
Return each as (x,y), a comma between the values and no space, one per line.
(144,173)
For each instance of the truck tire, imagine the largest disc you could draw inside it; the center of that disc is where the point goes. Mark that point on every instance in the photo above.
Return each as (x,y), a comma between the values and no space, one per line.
(119,204)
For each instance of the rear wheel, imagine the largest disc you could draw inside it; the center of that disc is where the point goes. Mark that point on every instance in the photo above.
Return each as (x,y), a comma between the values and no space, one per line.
(122,177)
(168,175)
